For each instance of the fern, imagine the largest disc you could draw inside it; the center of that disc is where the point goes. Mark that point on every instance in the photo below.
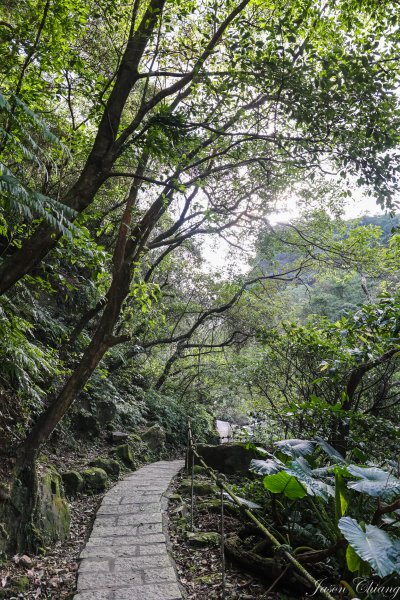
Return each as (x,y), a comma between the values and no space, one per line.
(25,364)
(19,196)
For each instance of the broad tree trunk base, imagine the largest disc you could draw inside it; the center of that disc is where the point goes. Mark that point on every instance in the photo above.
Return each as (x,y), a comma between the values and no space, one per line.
(18,532)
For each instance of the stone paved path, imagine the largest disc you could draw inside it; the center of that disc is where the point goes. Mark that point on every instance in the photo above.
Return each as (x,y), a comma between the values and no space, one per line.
(126,557)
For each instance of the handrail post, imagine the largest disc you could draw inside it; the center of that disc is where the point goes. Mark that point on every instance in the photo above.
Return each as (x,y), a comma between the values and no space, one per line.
(192,495)
(222,545)
(187,452)
(190,459)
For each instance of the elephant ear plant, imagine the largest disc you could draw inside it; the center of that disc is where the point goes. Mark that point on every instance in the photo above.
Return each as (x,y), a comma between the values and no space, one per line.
(351,510)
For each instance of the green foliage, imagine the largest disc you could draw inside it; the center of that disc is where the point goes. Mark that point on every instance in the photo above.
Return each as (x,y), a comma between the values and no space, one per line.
(295,448)
(266,467)
(25,363)
(283,483)
(300,469)
(173,414)
(14,191)
(371,545)
(334,485)
(374,482)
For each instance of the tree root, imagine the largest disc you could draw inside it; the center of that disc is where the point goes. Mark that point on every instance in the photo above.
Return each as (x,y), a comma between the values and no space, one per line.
(269,568)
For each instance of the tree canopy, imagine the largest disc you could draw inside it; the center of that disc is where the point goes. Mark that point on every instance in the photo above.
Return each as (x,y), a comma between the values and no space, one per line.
(135,135)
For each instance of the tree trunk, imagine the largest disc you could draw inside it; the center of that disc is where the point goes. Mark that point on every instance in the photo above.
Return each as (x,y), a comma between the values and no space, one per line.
(101,158)
(24,494)
(100,343)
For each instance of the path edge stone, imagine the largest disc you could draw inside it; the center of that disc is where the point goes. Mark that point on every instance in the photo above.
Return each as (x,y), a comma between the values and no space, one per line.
(165,521)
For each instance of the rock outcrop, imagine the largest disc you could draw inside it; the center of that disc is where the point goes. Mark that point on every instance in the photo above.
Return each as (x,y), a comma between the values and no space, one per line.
(227,458)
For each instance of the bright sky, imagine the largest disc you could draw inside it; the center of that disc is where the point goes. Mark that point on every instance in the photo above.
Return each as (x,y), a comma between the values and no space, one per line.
(222,258)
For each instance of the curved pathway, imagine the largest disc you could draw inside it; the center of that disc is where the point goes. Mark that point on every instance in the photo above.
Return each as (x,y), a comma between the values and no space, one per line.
(126,557)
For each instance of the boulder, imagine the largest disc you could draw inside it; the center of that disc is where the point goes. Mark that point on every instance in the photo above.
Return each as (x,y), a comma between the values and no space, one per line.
(154,437)
(53,511)
(73,483)
(227,458)
(25,561)
(124,453)
(106,411)
(109,465)
(200,488)
(85,422)
(203,538)
(118,437)
(95,479)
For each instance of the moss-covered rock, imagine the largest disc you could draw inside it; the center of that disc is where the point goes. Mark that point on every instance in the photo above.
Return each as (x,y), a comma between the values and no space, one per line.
(53,517)
(117,437)
(95,479)
(203,538)
(154,437)
(124,453)
(106,411)
(200,488)
(199,470)
(214,506)
(73,483)
(22,583)
(109,465)
(138,447)
(135,439)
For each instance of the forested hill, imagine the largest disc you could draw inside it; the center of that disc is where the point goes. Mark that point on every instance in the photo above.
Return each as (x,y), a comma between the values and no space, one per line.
(326,295)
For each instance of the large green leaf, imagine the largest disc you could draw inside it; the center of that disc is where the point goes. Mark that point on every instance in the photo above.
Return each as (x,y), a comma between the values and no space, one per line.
(352,559)
(330,451)
(374,482)
(372,545)
(341,502)
(295,448)
(266,467)
(283,483)
(301,469)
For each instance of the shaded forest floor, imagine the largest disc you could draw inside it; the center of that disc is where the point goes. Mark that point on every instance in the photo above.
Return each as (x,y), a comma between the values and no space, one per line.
(52,574)
(199,568)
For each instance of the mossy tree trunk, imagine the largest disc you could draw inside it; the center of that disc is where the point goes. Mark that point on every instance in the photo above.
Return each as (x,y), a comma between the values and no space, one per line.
(18,509)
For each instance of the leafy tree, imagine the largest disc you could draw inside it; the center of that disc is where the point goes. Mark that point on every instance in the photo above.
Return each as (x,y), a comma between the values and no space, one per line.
(183,119)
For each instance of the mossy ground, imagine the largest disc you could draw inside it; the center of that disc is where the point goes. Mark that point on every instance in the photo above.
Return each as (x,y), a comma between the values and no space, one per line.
(199,567)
